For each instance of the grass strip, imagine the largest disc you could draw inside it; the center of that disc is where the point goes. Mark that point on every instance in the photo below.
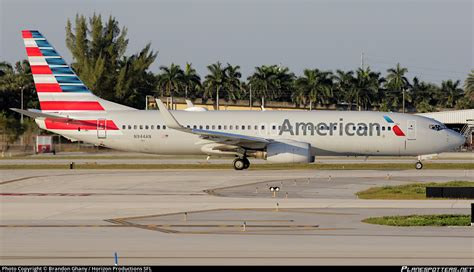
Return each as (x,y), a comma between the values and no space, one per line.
(407,191)
(421,220)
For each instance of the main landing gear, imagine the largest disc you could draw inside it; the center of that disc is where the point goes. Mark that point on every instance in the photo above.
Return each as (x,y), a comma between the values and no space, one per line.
(241,163)
(418,165)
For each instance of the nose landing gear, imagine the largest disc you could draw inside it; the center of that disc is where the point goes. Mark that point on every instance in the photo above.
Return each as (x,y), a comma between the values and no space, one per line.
(418,165)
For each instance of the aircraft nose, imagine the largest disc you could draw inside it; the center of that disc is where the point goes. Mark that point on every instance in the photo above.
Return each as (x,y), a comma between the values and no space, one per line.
(456,139)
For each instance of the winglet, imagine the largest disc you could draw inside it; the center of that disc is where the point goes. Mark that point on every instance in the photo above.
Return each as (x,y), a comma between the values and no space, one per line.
(170,121)
(189,103)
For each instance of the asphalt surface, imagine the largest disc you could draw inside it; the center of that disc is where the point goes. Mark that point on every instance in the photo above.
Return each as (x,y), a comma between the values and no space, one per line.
(221,217)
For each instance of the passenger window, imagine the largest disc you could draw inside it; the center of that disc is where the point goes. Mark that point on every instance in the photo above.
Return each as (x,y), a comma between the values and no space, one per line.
(225,127)
(243,127)
(164,127)
(207,127)
(389,128)
(273,127)
(249,127)
(383,128)
(255,127)
(200,126)
(263,127)
(141,126)
(158,127)
(213,127)
(134,126)
(219,127)
(152,127)
(124,126)
(129,127)
(231,127)
(194,126)
(188,126)
(146,126)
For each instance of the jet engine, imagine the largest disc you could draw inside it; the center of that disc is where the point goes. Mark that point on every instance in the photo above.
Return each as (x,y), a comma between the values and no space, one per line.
(287,151)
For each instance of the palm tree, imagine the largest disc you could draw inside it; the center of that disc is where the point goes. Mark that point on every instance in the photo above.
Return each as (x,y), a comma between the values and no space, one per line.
(313,86)
(5,68)
(16,86)
(367,87)
(264,82)
(397,82)
(345,85)
(191,80)
(232,83)
(214,81)
(450,93)
(170,80)
(285,82)
(469,86)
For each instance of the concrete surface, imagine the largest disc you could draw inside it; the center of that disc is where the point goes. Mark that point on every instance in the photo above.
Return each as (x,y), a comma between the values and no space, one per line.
(84,216)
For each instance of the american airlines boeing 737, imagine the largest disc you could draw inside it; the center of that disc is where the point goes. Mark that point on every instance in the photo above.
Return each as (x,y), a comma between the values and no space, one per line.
(70,109)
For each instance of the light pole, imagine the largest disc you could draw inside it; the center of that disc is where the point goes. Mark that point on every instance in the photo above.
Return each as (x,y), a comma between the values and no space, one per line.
(217,98)
(22,87)
(250,85)
(403,99)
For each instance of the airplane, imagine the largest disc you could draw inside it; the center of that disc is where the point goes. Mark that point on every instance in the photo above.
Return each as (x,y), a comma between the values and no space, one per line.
(70,109)
(191,107)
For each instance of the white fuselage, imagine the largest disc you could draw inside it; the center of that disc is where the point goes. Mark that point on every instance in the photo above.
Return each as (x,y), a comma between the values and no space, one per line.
(328,132)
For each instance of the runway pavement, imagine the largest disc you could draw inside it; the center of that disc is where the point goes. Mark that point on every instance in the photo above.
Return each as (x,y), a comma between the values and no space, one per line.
(221,217)
(137,158)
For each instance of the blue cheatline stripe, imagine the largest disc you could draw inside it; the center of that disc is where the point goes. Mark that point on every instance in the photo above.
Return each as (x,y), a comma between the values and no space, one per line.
(68,79)
(42,43)
(388,119)
(49,52)
(62,70)
(55,61)
(36,34)
(74,89)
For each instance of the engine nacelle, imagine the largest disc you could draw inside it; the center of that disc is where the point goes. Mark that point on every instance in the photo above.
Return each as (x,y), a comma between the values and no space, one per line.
(288,151)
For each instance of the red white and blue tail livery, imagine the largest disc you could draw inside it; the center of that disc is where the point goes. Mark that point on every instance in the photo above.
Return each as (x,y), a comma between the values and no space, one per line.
(59,88)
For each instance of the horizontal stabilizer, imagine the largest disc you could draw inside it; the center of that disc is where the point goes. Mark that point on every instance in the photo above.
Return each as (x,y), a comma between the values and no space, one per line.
(38,114)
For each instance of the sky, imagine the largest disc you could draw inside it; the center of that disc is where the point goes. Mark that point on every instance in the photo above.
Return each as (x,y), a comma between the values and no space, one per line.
(432,38)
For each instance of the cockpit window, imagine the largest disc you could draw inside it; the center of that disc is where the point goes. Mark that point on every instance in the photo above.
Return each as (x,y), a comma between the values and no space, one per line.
(437,127)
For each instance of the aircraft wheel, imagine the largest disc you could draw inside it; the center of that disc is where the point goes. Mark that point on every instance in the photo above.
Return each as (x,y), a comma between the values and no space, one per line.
(418,165)
(239,164)
(246,163)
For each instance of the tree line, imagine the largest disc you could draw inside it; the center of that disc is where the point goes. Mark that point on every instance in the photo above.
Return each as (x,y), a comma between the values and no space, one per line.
(98,48)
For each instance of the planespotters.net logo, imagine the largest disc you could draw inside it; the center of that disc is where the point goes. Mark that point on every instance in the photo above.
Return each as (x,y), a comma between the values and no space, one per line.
(437,269)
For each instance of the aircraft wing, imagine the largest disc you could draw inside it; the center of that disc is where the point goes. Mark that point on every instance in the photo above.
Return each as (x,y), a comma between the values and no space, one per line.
(217,136)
